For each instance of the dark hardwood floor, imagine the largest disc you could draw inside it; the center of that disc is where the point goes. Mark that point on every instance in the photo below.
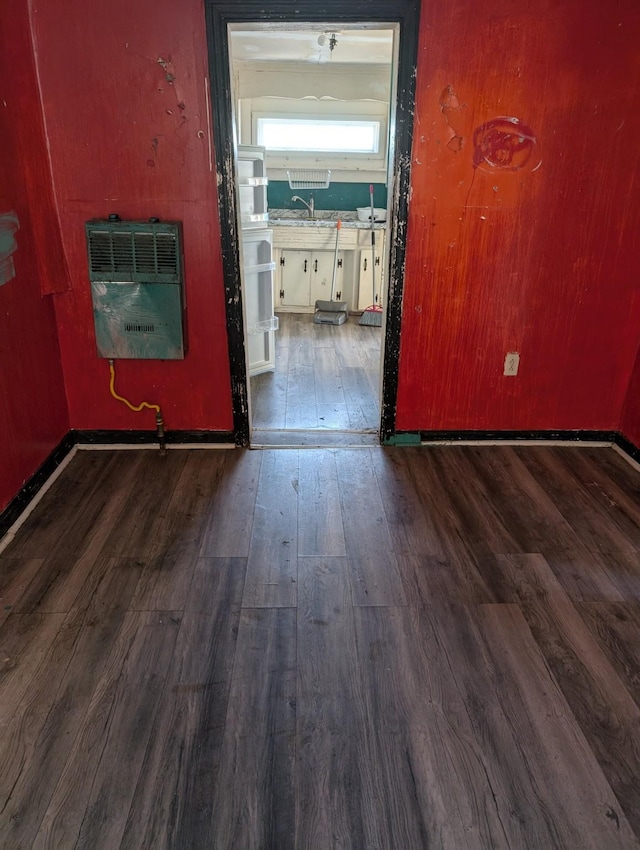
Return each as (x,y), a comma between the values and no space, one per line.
(375,649)
(326,377)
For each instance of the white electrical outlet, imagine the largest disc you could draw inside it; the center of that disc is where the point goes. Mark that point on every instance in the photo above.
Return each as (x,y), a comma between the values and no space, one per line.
(511,363)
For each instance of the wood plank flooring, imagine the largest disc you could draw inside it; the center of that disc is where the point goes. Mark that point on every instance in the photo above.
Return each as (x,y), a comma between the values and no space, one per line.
(326,377)
(433,647)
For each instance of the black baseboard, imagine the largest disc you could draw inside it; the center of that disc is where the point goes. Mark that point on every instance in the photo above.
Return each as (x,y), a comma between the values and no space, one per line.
(27,492)
(627,447)
(17,505)
(139,438)
(564,436)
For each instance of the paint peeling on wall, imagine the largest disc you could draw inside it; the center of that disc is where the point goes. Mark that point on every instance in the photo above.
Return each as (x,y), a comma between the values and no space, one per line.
(8,225)
(451,108)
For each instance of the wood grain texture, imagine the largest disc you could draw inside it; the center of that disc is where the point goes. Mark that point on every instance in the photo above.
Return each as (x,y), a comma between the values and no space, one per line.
(142,518)
(87,809)
(410,519)
(272,569)
(462,543)
(583,808)
(230,510)
(607,714)
(531,516)
(66,574)
(409,684)
(375,579)
(616,627)
(596,526)
(173,807)
(320,524)
(56,704)
(336,790)
(421,740)
(254,804)
(16,574)
(67,501)
(166,578)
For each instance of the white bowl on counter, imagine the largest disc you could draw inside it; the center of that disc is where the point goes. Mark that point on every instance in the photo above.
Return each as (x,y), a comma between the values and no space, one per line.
(364,214)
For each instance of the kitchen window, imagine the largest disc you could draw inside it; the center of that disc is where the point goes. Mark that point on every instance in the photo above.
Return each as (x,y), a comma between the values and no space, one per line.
(318,135)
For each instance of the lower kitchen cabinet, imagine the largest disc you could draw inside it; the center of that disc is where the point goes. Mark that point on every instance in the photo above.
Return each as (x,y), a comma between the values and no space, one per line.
(307,277)
(304,259)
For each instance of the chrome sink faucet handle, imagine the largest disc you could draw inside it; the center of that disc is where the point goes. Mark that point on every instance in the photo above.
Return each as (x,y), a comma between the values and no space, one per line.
(310,205)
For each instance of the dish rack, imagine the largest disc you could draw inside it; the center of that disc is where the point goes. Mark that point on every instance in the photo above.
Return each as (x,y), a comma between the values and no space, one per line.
(309,178)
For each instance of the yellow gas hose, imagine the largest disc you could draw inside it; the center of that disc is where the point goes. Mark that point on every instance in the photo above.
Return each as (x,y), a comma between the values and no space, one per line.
(112,389)
(139,407)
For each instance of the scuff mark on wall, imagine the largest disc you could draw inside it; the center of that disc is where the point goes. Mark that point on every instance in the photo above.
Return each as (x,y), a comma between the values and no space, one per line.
(170,76)
(8,225)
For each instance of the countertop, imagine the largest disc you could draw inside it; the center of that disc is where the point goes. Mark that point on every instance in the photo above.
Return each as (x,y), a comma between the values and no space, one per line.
(322,218)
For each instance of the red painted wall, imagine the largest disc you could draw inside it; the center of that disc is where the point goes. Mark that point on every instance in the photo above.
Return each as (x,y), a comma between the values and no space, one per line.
(541,261)
(33,408)
(126,110)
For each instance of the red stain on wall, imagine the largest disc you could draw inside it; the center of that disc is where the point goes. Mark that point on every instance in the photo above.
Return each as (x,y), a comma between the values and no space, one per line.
(540,261)
(125,99)
(33,408)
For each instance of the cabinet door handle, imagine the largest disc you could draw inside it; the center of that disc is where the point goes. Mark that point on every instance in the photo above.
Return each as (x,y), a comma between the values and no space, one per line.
(364,266)
(315,265)
(305,266)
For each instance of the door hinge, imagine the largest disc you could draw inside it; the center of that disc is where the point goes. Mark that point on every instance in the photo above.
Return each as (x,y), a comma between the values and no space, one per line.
(282,293)
(339,296)
(340,263)
(282,261)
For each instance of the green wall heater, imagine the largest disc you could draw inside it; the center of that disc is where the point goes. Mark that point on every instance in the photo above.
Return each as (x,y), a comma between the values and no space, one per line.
(137,288)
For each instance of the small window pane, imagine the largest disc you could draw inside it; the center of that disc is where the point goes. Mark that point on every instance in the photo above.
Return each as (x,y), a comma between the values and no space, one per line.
(300,134)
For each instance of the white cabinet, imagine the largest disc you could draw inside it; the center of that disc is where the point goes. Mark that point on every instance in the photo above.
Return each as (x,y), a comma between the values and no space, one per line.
(257,279)
(304,266)
(307,276)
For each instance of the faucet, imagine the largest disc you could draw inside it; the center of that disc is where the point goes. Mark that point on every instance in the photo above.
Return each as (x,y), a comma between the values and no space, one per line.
(310,206)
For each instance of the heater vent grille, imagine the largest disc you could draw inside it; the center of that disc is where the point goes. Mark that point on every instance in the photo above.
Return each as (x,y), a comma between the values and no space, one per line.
(124,255)
(134,251)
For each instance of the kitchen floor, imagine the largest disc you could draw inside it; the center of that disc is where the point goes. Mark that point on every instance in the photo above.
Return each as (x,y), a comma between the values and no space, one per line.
(326,377)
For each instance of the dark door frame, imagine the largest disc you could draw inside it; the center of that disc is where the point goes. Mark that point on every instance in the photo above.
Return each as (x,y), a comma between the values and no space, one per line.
(220,13)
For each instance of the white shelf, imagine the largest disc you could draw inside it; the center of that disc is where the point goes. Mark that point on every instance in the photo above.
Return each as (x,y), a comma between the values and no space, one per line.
(254,181)
(264,326)
(261,267)
(248,218)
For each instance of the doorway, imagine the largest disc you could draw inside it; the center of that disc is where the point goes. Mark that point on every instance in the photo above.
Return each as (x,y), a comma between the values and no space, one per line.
(326,28)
